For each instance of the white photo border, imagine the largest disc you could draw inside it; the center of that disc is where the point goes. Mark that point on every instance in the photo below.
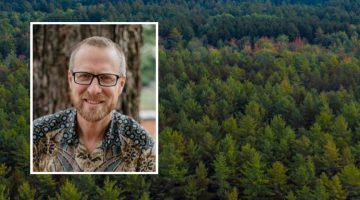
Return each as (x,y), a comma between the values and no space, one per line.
(156,96)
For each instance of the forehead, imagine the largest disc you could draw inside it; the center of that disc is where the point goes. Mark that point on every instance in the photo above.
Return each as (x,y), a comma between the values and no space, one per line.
(93,58)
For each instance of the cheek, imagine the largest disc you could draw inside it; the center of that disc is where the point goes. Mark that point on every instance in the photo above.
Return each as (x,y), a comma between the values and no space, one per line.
(78,90)
(106,92)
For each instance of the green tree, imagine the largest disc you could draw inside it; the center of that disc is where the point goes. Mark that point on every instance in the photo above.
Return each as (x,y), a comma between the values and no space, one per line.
(135,186)
(109,190)
(256,111)
(266,144)
(25,191)
(233,194)
(69,191)
(247,129)
(304,193)
(350,177)
(331,156)
(254,179)
(172,163)
(290,196)
(48,186)
(304,173)
(230,126)
(228,147)
(351,112)
(85,184)
(325,119)
(201,175)
(320,190)
(190,189)
(341,132)
(347,157)
(333,187)
(175,38)
(278,179)
(284,137)
(222,174)
(145,196)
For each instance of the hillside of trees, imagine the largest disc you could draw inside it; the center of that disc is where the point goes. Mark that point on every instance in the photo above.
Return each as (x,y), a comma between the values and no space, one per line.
(258,100)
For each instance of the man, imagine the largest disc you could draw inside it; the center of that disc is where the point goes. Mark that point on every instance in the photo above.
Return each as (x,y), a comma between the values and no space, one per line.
(92,136)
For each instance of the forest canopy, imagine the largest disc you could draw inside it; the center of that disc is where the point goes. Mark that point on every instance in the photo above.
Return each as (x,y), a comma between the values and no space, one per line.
(257,100)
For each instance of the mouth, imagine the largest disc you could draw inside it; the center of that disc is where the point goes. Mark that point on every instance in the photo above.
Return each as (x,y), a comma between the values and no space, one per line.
(93,102)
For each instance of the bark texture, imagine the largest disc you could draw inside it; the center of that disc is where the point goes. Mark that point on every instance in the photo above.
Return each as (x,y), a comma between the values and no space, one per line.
(52,45)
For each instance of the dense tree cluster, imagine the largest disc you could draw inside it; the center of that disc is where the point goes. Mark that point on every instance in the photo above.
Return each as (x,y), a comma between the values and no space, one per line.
(258,100)
(276,120)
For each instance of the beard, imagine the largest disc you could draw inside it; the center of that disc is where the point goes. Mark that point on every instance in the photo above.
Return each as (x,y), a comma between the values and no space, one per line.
(93,114)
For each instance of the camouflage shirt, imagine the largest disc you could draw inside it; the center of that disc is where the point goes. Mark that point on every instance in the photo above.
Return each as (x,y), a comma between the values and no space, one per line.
(126,146)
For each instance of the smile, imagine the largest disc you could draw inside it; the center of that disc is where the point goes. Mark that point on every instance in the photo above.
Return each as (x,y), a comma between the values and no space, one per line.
(93,102)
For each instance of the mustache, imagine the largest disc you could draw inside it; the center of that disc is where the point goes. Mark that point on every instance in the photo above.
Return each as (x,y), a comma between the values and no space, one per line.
(98,97)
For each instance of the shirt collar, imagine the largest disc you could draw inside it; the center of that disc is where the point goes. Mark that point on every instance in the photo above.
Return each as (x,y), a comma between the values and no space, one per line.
(70,136)
(111,138)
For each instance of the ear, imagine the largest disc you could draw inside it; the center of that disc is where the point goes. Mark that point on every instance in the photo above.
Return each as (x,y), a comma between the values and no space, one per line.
(121,84)
(70,78)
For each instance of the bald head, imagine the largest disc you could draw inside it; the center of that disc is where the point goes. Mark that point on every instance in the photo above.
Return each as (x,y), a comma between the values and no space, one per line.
(112,49)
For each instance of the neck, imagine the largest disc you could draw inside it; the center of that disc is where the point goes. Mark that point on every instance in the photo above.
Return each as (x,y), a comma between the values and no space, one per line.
(92,132)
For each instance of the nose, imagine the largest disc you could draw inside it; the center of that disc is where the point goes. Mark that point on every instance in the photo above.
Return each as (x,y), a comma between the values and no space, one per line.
(94,87)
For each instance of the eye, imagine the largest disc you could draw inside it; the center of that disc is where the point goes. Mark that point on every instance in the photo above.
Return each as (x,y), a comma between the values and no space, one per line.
(105,78)
(83,76)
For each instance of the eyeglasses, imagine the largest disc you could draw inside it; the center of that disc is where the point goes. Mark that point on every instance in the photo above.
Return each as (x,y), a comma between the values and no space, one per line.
(85,78)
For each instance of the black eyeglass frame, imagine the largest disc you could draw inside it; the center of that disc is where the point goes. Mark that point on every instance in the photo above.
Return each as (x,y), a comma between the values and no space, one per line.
(97,77)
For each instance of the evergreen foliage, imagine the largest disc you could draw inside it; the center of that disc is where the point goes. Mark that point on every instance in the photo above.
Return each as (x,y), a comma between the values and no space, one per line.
(258,100)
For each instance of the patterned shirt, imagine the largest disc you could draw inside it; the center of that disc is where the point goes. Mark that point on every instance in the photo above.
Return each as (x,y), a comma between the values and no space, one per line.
(126,146)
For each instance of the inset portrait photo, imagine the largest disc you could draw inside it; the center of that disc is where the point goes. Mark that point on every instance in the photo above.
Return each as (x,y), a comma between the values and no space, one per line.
(94,98)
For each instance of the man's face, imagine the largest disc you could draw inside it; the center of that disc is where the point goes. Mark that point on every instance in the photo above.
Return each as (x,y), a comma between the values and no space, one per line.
(94,102)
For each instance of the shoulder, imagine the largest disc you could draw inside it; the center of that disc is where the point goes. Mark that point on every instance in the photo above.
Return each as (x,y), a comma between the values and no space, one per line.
(50,123)
(132,131)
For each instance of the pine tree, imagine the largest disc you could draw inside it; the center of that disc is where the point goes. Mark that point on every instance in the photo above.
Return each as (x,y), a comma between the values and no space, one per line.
(351,112)
(304,193)
(190,189)
(171,157)
(320,190)
(347,158)
(284,137)
(278,179)
(333,187)
(228,147)
(4,193)
(192,152)
(233,194)
(266,144)
(290,196)
(222,174)
(331,156)
(254,180)
(304,173)
(135,185)
(325,119)
(247,130)
(69,191)
(145,196)
(201,175)
(86,184)
(341,132)
(48,186)
(109,190)
(25,191)
(256,111)
(230,126)
(350,177)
